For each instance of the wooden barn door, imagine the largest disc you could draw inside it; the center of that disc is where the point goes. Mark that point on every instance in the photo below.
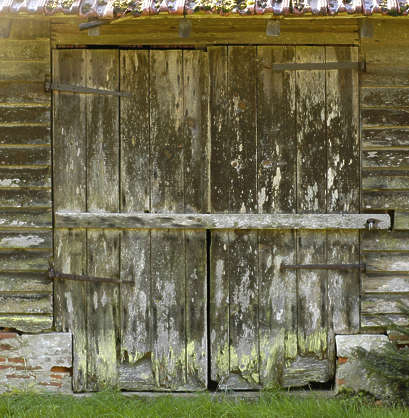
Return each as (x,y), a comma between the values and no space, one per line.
(142,152)
(234,130)
(284,140)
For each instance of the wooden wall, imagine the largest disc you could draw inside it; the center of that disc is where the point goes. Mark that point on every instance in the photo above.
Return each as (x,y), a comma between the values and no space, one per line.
(385,169)
(25,176)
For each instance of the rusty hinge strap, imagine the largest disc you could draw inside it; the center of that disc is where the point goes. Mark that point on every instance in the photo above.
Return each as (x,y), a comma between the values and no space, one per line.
(48,86)
(361,267)
(52,274)
(294,66)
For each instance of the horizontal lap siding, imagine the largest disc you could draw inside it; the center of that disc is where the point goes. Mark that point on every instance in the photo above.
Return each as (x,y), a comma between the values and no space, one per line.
(385,172)
(25,178)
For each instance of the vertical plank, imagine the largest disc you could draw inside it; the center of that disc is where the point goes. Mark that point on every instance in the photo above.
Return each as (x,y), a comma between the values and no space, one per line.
(311,198)
(135,372)
(276,179)
(343,188)
(243,254)
(195,109)
(167,195)
(219,201)
(69,186)
(103,195)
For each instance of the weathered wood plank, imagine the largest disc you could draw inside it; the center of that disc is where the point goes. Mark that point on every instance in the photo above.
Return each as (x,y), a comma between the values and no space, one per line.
(385,284)
(388,137)
(385,240)
(342,108)
(23,29)
(25,156)
(242,129)
(69,135)
(277,305)
(102,314)
(311,129)
(25,197)
(219,308)
(243,310)
(102,194)
(313,331)
(70,297)
(25,239)
(205,31)
(25,177)
(196,135)
(373,323)
(168,306)
(167,195)
(196,310)
(26,114)
(196,185)
(382,304)
(135,371)
(218,221)
(27,323)
(23,92)
(381,96)
(134,125)
(25,282)
(25,135)
(343,286)
(13,49)
(343,194)
(385,159)
(386,261)
(24,259)
(385,179)
(24,70)
(167,145)
(25,218)
(276,135)
(388,199)
(219,129)
(384,117)
(26,303)
(401,220)
(384,74)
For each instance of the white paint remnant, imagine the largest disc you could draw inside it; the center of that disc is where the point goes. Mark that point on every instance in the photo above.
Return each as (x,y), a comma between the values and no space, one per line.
(104,299)
(95,300)
(68,298)
(9,182)
(243,208)
(262,197)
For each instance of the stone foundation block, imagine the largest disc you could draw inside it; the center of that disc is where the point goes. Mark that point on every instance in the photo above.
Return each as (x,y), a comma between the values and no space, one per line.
(41,362)
(350,374)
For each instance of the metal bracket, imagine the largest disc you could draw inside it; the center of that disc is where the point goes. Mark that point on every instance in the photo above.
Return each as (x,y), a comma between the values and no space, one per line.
(52,274)
(49,86)
(361,267)
(336,65)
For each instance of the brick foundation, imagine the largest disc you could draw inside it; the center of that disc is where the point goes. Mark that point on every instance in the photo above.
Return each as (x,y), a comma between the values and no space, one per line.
(41,362)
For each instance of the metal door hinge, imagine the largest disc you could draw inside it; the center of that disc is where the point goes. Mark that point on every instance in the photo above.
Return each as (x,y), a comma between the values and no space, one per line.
(361,267)
(52,274)
(50,86)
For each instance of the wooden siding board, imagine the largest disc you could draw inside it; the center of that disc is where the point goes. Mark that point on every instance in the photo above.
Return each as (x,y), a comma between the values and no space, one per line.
(385,137)
(27,323)
(385,179)
(394,97)
(372,117)
(25,218)
(22,91)
(25,177)
(23,260)
(25,282)
(25,156)
(25,197)
(385,158)
(25,135)
(26,239)
(26,303)
(388,199)
(24,70)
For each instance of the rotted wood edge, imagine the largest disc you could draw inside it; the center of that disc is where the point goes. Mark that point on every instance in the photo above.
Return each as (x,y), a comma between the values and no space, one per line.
(220,221)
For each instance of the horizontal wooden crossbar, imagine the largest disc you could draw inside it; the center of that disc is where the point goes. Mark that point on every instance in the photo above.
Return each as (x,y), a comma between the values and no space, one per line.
(294,66)
(219,221)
